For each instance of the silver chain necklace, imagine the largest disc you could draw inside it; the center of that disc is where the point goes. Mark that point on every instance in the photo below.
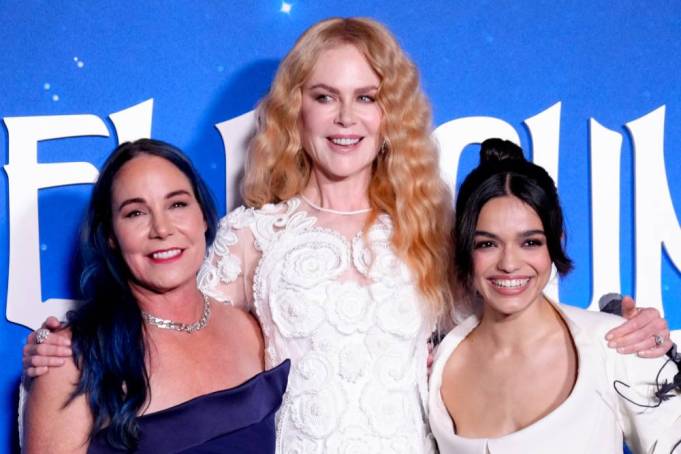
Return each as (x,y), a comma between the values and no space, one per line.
(182,327)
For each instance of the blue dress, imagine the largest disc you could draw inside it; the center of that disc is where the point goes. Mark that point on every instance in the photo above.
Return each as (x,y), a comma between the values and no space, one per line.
(234,420)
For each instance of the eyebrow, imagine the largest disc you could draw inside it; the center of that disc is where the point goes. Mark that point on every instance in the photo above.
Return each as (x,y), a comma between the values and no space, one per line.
(524,234)
(170,195)
(336,91)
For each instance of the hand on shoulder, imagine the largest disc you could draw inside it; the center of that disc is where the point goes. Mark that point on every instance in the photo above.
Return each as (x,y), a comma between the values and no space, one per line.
(53,420)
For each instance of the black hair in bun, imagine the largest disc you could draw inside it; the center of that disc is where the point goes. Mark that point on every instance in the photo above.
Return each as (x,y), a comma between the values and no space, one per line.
(495,150)
(504,171)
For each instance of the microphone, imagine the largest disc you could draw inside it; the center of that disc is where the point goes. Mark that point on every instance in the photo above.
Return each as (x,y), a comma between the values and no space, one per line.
(611,303)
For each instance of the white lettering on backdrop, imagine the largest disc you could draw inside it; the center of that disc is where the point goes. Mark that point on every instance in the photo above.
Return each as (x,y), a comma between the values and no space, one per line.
(26,176)
(656,224)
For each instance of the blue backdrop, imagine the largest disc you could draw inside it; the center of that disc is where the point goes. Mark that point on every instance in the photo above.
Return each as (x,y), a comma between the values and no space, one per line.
(590,88)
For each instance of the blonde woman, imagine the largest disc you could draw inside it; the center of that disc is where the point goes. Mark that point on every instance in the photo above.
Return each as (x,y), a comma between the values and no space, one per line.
(342,251)
(341,260)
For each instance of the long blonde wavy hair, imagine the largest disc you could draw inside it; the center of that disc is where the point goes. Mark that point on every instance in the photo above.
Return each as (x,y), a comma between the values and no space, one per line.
(405,181)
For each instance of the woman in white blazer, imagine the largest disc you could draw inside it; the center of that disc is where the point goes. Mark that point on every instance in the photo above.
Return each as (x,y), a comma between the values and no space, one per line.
(524,374)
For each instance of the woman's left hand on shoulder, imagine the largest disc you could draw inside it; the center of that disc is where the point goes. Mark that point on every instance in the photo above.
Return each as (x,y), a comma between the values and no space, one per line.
(645,332)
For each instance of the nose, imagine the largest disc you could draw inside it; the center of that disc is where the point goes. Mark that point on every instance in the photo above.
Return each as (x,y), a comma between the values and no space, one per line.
(345,116)
(161,227)
(508,260)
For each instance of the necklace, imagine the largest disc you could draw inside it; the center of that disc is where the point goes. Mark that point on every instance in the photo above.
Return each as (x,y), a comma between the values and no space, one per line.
(182,327)
(329,210)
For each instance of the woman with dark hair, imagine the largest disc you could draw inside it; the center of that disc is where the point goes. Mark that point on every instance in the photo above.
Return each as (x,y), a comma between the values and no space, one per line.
(156,365)
(523,373)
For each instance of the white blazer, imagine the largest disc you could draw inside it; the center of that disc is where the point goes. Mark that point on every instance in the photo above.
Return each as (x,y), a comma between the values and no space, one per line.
(594,418)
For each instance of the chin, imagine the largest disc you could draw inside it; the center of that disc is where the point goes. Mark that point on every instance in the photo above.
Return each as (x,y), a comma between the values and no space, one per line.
(509,306)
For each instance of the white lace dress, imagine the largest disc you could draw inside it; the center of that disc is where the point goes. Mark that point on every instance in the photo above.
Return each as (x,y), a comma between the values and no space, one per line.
(346,313)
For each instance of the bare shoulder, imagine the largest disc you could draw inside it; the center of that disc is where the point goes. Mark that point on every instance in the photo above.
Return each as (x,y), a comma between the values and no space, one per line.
(241,329)
(243,321)
(53,421)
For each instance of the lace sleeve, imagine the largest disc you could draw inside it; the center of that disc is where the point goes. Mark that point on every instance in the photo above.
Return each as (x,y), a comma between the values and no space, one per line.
(227,273)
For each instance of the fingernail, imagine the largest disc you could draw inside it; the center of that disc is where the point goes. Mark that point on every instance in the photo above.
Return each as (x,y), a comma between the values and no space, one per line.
(612,344)
(609,337)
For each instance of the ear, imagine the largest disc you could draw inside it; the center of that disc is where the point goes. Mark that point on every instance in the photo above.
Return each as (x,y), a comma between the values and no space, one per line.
(112,243)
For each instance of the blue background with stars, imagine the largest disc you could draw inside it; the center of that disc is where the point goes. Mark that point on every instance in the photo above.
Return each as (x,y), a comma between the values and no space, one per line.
(207,62)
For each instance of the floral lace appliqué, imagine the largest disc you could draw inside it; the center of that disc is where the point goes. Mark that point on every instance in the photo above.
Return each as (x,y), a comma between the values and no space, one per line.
(347,314)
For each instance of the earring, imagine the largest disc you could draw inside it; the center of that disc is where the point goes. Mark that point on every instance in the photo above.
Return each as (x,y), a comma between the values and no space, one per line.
(385,146)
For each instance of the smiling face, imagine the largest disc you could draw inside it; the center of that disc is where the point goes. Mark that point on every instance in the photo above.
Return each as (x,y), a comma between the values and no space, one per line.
(511,263)
(340,119)
(157,223)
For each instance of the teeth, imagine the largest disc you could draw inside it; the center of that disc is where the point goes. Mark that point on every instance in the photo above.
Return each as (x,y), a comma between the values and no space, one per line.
(166,254)
(344,141)
(510,283)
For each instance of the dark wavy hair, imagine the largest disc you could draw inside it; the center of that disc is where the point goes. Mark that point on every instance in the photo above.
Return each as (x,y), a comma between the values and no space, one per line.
(504,171)
(107,329)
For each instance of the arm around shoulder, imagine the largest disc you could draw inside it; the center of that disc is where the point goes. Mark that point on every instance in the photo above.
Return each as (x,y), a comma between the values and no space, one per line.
(629,384)
(52,423)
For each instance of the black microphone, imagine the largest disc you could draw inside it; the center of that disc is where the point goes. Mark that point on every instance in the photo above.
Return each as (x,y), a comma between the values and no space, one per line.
(611,303)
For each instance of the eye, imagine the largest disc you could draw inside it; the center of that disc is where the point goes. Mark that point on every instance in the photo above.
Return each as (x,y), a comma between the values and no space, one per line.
(366,99)
(485,244)
(323,98)
(133,214)
(533,242)
(178,204)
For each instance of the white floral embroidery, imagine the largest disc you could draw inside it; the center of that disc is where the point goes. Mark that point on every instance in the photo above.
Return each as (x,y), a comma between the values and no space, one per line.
(221,266)
(314,262)
(387,409)
(296,313)
(361,256)
(300,445)
(358,349)
(348,307)
(208,280)
(327,343)
(310,374)
(229,268)
(354,440)
(385,265)
(354,363)
(391,372)
(405,444)
(399,315)
(317,414)
(379,343)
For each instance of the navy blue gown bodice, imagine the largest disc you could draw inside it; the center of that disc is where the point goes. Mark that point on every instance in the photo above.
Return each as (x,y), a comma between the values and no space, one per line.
(234,420)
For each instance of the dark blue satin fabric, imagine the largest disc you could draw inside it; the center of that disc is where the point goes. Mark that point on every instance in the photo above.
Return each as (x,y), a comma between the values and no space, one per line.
(234,420)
